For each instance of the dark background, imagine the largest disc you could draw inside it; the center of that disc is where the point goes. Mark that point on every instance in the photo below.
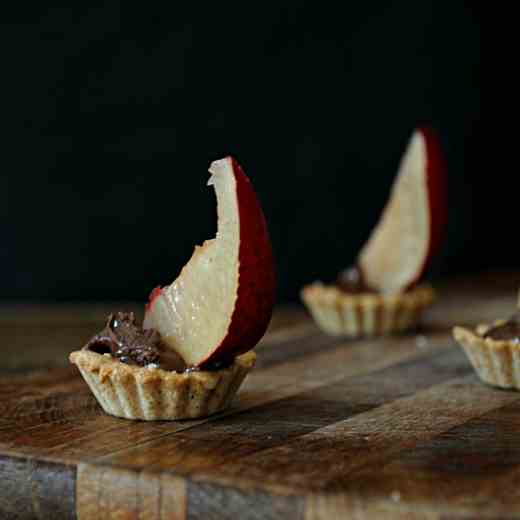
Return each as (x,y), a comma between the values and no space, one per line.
(111,116)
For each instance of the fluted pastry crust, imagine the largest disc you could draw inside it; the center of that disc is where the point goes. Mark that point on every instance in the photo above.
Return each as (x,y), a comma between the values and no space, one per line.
(497,362)
(365,314)
(150,394)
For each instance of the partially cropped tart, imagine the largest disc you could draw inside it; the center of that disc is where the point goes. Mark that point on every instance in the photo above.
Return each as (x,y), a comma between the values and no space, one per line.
(381,294)
(194,349)
(494,351)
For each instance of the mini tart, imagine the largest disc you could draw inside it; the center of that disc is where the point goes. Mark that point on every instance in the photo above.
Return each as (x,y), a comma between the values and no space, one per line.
(365,314)
(497,362)
(150,394)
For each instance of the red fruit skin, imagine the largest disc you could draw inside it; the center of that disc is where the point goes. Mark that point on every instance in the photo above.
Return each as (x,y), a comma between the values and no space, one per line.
(256,276)
(155,292)
(437,194)
(437,189)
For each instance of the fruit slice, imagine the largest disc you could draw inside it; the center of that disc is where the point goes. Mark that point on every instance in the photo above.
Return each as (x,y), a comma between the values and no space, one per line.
(411,225)
(221,303)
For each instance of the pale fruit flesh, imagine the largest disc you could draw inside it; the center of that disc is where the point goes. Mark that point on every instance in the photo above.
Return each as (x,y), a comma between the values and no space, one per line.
(197,314)
(396,253)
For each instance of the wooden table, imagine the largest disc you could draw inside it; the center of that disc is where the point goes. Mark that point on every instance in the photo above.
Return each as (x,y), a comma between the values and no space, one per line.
(324,428)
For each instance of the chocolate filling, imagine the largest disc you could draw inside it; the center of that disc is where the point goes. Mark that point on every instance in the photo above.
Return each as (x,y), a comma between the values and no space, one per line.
(351,280)
(508,331)
(123,339)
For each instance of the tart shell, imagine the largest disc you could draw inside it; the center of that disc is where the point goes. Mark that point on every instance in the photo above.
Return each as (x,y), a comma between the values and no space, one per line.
(496,362)
(151,394)
(366,314)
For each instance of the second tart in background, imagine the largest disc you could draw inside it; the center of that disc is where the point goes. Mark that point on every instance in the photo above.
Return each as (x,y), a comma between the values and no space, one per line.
(380,294)
(341,312)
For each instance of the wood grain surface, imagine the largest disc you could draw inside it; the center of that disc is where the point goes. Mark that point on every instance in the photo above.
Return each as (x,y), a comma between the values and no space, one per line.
(323,428)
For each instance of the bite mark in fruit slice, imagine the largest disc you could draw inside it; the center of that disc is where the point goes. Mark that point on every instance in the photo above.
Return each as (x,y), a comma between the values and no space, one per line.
(221,303)
(410,229)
